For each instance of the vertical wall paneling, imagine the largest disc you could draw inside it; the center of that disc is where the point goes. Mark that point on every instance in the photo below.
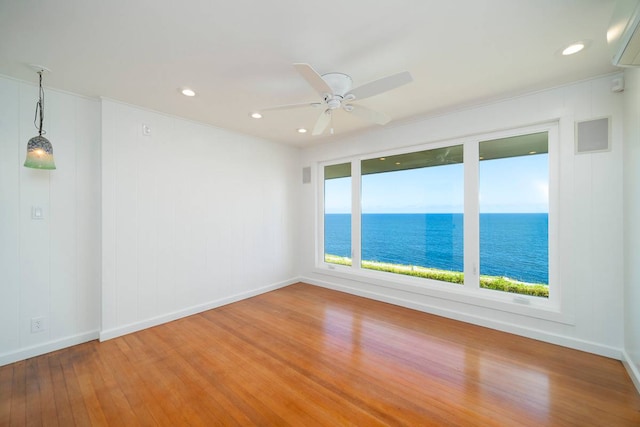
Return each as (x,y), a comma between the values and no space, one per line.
(631,225)
(126,182)
(108,290)
(49,268)
(89,208)
(61,123)
(167,189)
(606,228)
(150,167)
(193,217)
(566,179)
(10,156)
(35,243)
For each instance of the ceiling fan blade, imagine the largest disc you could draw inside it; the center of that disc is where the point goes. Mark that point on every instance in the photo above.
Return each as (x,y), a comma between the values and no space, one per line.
(381,85)
(292,106)
(314,79)
(322,123)
(368,114)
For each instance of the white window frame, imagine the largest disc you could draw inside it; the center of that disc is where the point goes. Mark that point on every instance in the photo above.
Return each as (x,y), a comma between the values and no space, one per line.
(470,292)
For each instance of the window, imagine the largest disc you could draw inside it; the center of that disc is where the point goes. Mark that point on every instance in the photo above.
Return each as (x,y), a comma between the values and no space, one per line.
(412,220)
(514,214)
(337,214)
(471,215)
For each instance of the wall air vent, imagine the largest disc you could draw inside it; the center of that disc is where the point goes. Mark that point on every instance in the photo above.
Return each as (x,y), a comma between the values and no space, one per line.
(623,35)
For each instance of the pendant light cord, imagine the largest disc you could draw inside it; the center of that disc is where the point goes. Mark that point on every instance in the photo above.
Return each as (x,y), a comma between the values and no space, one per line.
(39,109)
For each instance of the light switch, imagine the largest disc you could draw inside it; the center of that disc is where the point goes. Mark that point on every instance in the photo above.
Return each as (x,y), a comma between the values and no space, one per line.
(37,212)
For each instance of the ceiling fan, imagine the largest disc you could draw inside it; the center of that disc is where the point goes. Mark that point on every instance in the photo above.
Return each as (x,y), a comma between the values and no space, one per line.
(336,93)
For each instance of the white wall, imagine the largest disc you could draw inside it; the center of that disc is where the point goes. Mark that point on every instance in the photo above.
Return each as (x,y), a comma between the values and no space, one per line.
(590,209)
(631,225)
(193,217)
(48,268)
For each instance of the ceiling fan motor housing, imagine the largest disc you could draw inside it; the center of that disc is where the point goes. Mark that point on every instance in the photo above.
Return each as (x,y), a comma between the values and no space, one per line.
(340,83)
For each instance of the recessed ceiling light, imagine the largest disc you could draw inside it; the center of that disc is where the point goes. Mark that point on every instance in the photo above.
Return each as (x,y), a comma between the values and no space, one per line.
(302,130)
(397,163)
(256,115)
(533,152)
(188,92)
(573,48)
(383,158)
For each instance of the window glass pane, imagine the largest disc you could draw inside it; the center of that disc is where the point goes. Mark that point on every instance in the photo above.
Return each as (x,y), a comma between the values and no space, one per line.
(337,214)
(514,214)
(412,221)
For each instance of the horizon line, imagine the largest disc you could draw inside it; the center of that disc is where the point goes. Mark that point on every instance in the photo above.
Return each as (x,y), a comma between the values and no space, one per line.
(436,213)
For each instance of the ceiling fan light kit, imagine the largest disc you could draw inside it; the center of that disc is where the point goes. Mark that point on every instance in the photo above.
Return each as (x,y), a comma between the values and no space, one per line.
(335,90)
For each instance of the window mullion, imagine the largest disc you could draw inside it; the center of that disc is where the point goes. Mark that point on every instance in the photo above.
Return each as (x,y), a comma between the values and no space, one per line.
(471,216)
(356,215)
(320,251)
(554,178)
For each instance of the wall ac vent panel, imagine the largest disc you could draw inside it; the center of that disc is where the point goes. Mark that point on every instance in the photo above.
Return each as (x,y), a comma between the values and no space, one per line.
(593,136)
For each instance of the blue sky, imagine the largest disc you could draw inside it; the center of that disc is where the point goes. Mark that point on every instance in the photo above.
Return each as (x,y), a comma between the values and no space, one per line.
(511,185)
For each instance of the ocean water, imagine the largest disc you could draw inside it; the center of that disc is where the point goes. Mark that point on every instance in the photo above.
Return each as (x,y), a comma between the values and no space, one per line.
(511,245)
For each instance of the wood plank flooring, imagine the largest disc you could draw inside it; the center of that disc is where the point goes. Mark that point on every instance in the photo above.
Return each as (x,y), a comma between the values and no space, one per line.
(306,356)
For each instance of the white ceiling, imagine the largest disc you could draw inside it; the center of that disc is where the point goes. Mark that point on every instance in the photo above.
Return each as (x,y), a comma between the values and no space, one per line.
(237,55)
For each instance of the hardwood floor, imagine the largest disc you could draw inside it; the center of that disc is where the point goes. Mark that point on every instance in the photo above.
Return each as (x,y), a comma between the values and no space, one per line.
(306,356)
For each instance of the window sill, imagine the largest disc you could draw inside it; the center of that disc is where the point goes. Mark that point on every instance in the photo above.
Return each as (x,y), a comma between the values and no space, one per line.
(535,307)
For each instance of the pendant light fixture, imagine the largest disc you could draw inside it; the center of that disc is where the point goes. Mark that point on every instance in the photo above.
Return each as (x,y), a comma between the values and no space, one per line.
(39,149)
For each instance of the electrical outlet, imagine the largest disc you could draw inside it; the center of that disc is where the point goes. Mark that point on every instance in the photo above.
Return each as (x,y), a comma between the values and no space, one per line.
(37,324)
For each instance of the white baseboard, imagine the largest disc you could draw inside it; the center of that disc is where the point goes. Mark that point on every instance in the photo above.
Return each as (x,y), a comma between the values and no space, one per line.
(562,340)
(632,369)
(48,347)
(169,317)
